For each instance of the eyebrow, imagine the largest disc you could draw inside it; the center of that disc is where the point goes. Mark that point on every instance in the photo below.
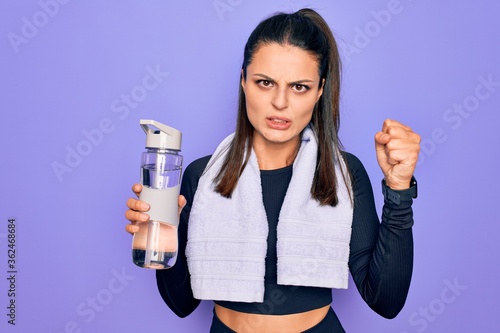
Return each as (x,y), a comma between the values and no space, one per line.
(293,82)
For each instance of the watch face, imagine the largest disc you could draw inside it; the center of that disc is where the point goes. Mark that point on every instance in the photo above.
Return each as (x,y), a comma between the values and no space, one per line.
(413,187)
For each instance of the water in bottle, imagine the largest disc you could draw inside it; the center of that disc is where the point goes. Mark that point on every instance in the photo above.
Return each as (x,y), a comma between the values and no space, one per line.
(155,245)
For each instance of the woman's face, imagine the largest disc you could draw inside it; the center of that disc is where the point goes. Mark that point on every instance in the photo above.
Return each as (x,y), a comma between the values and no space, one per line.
(281,89)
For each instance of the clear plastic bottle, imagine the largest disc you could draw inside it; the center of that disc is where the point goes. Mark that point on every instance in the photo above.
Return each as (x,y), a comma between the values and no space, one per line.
(155,245)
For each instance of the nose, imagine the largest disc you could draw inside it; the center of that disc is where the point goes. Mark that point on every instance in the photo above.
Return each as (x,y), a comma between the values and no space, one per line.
(280,99)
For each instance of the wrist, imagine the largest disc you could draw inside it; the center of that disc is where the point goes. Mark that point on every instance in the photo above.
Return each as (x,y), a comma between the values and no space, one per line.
(397,185)
(397,195)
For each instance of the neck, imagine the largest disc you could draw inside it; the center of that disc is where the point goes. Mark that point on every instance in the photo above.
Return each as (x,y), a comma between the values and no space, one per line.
(271,156)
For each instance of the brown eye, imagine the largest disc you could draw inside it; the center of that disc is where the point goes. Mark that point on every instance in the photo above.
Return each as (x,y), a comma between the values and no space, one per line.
(300,88)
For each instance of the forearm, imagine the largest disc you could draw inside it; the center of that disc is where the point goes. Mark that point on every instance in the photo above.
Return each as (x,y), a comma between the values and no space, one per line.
(175,289)
(381,256)
(390,269)
(174,284)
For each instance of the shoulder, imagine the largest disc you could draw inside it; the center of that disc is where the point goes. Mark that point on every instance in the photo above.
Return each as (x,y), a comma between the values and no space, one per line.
(357,172)
(197,167)
(353,162)
(192,175)
(194,170)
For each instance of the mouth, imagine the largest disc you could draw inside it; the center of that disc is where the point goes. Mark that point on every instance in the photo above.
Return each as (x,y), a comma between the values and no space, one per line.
(279,122)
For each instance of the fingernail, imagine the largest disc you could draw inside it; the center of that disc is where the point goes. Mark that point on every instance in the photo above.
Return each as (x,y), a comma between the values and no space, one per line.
(144,217)
(144,207)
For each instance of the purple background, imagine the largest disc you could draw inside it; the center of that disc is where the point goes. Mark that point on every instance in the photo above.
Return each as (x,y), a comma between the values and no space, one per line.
(67,69)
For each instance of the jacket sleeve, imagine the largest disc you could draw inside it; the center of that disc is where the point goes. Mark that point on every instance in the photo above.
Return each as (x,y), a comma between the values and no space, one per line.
(174,284)
(381,253)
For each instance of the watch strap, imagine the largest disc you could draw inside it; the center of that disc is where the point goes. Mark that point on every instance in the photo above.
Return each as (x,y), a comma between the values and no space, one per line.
(396,196)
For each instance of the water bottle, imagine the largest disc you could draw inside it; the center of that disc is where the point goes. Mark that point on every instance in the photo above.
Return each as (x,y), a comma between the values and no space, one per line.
(155,245)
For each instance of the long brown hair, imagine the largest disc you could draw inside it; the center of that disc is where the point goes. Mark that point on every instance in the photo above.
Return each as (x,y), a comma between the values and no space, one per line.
(307,30)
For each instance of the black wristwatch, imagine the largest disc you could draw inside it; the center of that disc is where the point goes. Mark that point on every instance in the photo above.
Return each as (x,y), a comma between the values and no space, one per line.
(396,196)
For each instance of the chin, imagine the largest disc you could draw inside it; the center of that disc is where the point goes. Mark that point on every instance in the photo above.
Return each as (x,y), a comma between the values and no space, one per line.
(278,139)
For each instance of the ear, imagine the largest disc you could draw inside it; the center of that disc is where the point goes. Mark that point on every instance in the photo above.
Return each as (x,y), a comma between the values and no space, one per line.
(243,82)
(320,90)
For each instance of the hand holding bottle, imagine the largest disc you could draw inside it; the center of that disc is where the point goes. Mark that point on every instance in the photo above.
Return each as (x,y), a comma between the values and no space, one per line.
(137,210)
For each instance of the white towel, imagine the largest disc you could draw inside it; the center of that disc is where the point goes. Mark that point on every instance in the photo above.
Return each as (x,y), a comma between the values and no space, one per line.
(227,237)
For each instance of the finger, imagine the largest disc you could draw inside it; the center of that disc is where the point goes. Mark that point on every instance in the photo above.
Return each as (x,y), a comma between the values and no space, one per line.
(400,138)
(135,216)
(390,157)
(393,123)
(132,228)
(137,205)
(398,151)
(137,188)
(182,202)
(407,143)
(401,133)
(382,138)
(407,157)
(411,146)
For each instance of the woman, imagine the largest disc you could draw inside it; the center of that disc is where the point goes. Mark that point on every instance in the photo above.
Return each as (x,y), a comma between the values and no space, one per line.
(284,163)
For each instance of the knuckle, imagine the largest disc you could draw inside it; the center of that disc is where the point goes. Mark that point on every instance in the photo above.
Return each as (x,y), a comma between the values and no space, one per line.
(392,131)
(414,156)
(418,138)
(391,144)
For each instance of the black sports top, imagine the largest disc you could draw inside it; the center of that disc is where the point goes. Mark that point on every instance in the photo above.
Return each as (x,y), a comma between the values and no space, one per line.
(380,260)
